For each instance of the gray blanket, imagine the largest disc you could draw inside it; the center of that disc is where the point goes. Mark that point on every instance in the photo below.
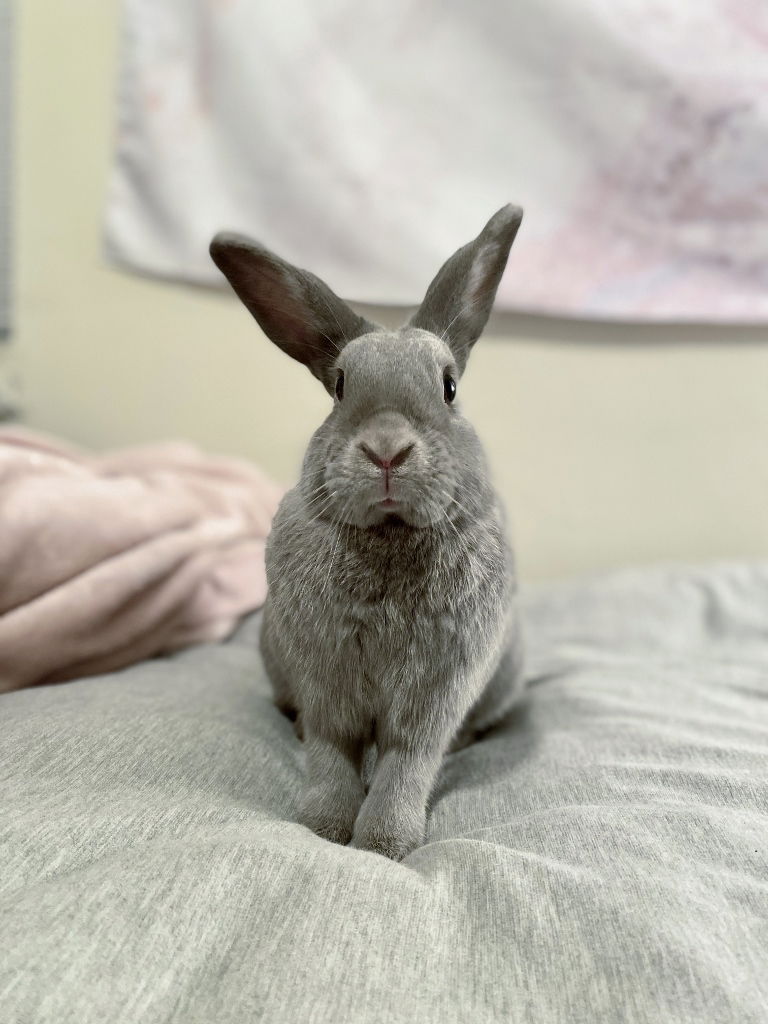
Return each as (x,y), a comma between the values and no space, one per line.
(601,856)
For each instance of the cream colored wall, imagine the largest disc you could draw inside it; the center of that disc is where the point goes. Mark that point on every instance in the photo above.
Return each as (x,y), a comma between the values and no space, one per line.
(610,444)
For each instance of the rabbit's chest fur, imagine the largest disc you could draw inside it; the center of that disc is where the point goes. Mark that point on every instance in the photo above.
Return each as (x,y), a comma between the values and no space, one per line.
(368,624)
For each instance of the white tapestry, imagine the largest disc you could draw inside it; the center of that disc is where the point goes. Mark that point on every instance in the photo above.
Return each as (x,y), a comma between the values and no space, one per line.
(365,141)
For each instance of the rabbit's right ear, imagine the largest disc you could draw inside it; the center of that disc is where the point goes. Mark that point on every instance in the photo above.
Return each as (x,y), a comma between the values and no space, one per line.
(295,309)
(459,300)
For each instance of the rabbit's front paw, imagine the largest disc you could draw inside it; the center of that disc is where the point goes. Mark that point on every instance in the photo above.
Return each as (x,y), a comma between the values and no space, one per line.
(390,838)
(331,821)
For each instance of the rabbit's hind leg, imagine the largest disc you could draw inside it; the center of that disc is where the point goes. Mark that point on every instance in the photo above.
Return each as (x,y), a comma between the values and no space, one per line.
(285,697)
(503,691)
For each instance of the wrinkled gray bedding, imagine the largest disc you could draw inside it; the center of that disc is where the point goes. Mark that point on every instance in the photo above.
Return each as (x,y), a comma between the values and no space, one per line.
(600,857)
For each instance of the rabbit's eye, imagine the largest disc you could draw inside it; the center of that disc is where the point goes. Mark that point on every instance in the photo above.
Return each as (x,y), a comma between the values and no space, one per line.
(340,385)
(449,388)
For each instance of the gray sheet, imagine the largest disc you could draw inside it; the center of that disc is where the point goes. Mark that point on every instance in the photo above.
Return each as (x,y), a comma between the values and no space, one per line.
(601,857)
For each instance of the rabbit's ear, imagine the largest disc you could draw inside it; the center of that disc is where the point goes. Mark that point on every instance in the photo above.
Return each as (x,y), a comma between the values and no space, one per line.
(295,309)
(459,300)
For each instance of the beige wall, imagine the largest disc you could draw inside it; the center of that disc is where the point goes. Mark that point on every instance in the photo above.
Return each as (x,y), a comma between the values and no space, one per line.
(610,444)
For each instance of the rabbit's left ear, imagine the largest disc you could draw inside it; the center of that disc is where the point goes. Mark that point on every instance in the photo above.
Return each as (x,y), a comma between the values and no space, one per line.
(295,309)
(459,300)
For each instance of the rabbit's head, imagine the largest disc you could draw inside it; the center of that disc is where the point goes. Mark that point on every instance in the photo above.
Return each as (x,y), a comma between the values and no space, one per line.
(395,447)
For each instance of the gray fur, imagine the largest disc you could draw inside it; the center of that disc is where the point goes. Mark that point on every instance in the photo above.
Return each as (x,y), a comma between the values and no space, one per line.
(386,625)
(297,310)
(459,300)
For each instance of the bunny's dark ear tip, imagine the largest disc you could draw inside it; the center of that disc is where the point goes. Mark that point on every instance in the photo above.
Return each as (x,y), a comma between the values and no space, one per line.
(225,241)
(229,248)
(503,224)
(511,214)
(221,244)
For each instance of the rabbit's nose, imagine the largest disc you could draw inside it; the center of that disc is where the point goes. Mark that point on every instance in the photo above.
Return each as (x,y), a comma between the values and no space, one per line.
(389,461)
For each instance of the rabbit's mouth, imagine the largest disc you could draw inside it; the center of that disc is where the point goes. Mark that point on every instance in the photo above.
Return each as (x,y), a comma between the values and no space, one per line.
(386,508)
(402,508)
(370,486)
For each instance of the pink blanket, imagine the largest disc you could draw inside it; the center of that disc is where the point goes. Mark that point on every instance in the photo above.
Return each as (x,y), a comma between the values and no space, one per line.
(108,559)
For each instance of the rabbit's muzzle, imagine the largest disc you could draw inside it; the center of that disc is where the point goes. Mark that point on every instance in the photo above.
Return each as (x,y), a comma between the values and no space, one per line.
(389,468)
(386,441)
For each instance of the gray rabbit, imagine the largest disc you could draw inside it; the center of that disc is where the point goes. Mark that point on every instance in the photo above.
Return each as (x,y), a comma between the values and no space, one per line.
(390,618)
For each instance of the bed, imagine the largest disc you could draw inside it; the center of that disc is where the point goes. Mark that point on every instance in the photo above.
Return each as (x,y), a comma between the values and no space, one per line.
(602,855)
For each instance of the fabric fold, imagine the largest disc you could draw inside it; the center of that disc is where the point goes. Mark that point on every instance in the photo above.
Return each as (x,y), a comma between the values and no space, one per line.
(109,559)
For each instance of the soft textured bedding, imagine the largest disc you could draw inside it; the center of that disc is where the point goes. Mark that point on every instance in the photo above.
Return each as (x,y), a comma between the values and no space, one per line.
(110,558)
(601,856)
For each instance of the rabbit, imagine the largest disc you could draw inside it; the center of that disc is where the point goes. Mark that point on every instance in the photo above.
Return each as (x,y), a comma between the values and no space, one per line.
(390,623)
